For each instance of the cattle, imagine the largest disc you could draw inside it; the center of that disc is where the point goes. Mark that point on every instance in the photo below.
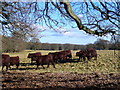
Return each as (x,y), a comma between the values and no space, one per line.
(89,53)
(55,56)
(33,56)
(68,53)
(14,61)
(5,61)
(44,59)
(81,54)
(61,56)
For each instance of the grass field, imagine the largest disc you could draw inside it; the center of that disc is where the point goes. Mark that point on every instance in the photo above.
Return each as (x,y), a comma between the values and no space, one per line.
(107,62)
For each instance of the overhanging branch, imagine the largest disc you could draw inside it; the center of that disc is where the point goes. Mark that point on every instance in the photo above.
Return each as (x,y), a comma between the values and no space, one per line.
(69,11)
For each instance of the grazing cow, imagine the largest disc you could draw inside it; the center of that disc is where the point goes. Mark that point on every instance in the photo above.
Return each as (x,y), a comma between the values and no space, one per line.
(14,61)
(45,59)
(33,56)
(5,61)
(89,53)
(81,54)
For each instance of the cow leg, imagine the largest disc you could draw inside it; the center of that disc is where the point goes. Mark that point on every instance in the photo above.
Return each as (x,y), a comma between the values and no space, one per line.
(48,65)
(53,64)
(88,58)
(84,58)
(95,58)
(42,66)
(17,65)
(31,61)
(7,68)
(37,66)
(79,59)
(2,68)
(56,61)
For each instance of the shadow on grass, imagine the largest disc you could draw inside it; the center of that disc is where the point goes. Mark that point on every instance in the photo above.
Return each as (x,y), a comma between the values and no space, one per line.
(40,67)
(70,61)
(60,61)
(27,64)
(28,68)
(25,68)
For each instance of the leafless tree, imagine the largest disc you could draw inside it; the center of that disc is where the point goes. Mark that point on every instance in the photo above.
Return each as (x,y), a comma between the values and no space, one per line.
(98,18)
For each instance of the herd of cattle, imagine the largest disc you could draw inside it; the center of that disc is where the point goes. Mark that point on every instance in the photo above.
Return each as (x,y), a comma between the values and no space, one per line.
(47,59)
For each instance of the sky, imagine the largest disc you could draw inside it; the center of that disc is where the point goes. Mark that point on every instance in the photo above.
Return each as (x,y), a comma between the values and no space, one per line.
(72,36)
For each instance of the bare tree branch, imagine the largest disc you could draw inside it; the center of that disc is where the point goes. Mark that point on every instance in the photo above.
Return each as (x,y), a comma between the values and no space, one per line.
(68,9)
(96,17)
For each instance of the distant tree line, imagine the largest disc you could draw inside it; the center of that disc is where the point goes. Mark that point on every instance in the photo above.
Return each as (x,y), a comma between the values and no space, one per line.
(16,43)
(47,46)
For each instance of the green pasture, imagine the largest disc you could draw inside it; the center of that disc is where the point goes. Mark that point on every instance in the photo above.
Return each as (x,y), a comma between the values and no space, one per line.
(107,62)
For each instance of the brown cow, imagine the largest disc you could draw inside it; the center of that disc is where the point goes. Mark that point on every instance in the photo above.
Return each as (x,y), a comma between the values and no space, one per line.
(14,61)
(45,59)
(68,53)
(89,53)
(5,61)
(33,56)
(55,56)
(61,55)
(81,54)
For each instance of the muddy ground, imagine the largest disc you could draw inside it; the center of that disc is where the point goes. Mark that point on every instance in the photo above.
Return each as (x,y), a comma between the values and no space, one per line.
(60,81)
